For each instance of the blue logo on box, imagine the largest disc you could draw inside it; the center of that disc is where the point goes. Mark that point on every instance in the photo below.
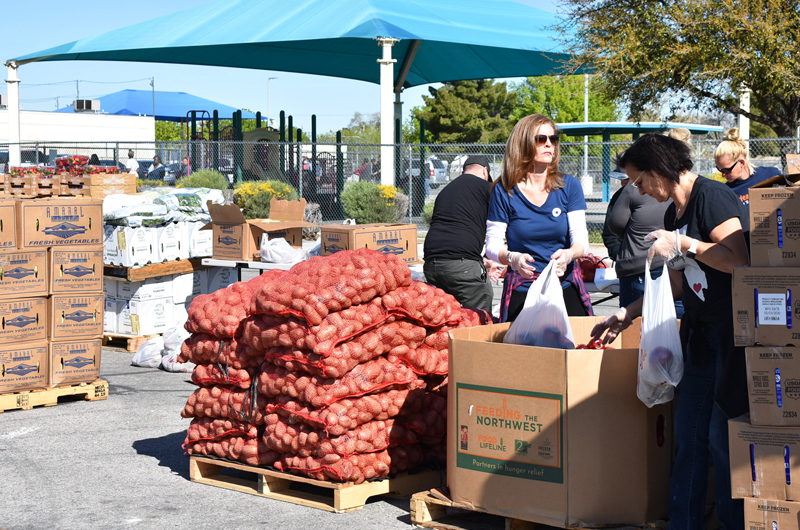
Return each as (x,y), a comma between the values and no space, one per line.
(21,321)
(64,230)
(333,248)
(19,272)
(78,362)
(390,249)
(228,240)
(78,271)
(22,369)
(79,316)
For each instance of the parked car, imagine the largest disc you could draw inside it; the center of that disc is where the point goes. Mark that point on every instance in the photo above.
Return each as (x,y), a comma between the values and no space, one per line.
(435,169)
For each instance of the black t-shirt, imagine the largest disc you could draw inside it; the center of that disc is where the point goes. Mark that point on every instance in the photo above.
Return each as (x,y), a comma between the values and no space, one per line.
(710,204)
(458,226)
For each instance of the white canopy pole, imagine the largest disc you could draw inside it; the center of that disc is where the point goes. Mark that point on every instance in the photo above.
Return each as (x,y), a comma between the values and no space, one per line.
(387,110)
(14,158)
(744,121)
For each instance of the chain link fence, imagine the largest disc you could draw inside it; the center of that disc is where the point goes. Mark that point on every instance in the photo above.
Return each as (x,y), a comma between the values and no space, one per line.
(320,171)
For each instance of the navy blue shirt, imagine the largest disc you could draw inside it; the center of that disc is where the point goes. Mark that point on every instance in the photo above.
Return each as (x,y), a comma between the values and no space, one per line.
(742,187)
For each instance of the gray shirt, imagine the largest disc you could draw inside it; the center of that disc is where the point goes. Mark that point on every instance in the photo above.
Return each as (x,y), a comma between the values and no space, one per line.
(633,217)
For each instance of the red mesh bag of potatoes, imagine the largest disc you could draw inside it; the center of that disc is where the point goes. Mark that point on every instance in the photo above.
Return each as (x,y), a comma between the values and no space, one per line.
(423,360)
(398,338)
(347,414)
(430,422)
(423,303)
(221,312)
(436,384)
(270,331)
(251,451)
(224,402)
(303,440)
(207,349)
(212,374)
(373,376)
(312,289)
(354,468)
(470,318)
(436,452)
(214,429)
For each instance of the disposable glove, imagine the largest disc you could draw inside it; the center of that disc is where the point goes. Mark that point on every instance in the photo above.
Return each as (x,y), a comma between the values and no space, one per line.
(521,263)
(668,246)
(613,326)
(494,269)
(563,257)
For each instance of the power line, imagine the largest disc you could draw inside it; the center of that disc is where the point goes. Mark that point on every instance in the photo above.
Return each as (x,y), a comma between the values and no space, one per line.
(86,81)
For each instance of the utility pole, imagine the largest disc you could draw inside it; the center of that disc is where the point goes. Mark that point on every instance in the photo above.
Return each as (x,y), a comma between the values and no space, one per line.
(78,88)
(153,89)
(268,80)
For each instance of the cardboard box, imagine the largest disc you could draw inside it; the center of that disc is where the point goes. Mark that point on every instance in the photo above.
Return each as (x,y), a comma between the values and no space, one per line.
(76,316)
(148,317)
(221,277)
(110,287)
(59,222)
(400,239)
(167,242)
(769,514)
(186,286)
(180,314)
(110,315)
(555,436)
(23,320)
(75,269)
(774,225)
(239,239)
(113,179)
(8,224)
(199,243)
(23,273)
(766,306)
(101,192)
(129,247)
(773,383)
(25,367)
(75,362)
(761,457)
(147,289)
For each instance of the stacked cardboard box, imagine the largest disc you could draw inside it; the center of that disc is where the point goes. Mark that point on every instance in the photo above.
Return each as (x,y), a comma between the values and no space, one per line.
(765,444)
(125,246)
(51,292)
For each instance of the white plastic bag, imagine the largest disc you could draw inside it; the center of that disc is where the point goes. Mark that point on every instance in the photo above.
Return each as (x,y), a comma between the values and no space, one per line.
(149,354)
(279,250)
(543,320)
(660,352)
(170,363)
(173,339)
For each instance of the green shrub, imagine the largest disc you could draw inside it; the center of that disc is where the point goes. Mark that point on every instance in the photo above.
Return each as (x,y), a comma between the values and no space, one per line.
(427,213)
(373,203)
(205,178)
(254,197)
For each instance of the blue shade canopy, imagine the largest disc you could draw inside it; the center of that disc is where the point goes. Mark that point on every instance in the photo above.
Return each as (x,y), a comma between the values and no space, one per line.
(170,106)
(593,128)
(440,40)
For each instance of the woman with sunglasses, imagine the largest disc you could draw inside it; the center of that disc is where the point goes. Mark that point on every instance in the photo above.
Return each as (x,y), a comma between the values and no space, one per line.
(703,241)
(733,164)
(541,214)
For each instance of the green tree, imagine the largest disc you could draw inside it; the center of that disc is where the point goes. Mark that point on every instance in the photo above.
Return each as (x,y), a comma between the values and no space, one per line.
(561,99)
(168,131)
(476,111)
(704,51)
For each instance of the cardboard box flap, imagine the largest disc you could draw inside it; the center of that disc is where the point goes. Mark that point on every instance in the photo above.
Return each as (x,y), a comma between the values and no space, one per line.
(225,214)
(286,210)
(269,225)
(790,180)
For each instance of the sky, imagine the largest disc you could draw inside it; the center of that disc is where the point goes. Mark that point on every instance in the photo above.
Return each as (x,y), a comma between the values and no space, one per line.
(35,25)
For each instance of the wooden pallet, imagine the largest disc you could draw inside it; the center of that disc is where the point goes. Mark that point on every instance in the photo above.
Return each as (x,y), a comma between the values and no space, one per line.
(434,509)
(329,496)
(28,399)
(151,270)
(131,343)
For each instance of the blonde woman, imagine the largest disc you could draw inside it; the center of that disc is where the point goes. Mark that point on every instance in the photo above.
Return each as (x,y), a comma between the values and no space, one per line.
(541,214)
(732,161)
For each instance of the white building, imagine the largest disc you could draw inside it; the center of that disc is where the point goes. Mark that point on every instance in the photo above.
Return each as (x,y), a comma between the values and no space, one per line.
(62,127)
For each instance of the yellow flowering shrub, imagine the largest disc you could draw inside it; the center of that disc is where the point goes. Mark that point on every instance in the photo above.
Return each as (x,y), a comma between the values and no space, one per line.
(254,197)
(372,203)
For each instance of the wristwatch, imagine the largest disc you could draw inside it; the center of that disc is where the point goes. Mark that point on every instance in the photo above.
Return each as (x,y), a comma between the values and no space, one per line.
(692,249)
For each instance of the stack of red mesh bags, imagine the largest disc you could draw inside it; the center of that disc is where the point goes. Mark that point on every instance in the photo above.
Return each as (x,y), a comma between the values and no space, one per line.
(336,369)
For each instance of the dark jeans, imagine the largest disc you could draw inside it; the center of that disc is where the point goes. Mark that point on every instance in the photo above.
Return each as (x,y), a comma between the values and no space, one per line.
(631,288)
(700,426)
(465,279)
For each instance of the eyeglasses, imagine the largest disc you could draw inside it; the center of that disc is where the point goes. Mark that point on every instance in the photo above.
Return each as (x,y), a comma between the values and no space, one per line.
(541,139)
(728,170)
(635,182)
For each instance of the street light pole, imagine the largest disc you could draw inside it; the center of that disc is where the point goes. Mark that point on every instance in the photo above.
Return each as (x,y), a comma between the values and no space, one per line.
(268,80)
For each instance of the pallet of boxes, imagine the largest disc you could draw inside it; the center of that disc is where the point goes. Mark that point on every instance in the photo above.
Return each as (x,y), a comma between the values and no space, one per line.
(69,177)
(51,300)
(765,445)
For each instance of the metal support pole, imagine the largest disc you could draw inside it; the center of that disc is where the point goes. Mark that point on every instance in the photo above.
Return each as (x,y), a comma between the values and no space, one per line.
(421,149)
(282,139)
(387,108)
(339,211)
(215,136)
(606,165)
(13,81)
(193,142)
(300,162)
(237,131)
(258,119)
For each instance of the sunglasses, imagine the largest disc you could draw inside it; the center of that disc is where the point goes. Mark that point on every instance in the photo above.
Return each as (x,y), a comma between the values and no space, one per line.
(635,183)
(729,169)
(541,139)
